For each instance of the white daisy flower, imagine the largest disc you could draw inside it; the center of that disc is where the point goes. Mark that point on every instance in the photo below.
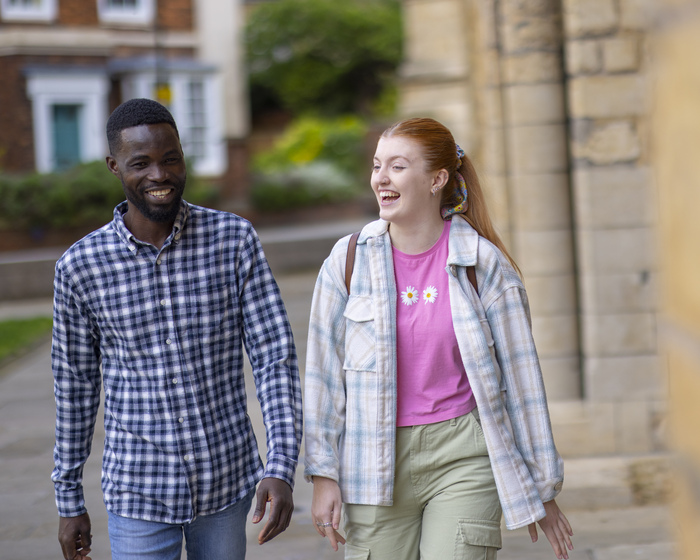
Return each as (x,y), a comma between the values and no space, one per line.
(429,294)
(410,296)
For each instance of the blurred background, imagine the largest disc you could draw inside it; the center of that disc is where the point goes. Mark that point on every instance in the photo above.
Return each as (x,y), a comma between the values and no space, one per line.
(582,116)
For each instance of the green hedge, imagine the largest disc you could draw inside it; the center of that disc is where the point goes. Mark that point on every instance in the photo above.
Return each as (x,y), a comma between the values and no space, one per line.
(83,195)
(315,161)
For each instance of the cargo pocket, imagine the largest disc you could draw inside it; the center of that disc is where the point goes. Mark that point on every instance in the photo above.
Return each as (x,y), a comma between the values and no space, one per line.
(477,540)
(353,552)
(360,343)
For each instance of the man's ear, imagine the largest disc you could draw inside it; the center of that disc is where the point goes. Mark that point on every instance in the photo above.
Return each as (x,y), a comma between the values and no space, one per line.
(112,165)
(440,179)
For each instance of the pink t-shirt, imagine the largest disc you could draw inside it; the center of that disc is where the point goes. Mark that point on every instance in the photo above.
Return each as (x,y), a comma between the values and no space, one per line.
(432,382)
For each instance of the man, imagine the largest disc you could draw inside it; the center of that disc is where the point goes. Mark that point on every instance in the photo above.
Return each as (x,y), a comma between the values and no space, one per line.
(157,305)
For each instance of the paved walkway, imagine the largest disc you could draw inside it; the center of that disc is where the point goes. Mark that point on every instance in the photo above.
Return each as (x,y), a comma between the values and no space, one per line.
(28,519)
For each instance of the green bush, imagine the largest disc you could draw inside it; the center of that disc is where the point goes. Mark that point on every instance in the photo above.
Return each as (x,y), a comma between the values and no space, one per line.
(83,195)
(323,56)
(315,161)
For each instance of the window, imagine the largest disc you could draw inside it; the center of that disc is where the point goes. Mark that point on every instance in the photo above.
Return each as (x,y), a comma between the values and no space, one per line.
(69,109)
(139,12)
(191,92)
(28,10)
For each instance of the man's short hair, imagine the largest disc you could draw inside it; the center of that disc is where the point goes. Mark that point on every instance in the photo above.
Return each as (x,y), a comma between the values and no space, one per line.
(135,112)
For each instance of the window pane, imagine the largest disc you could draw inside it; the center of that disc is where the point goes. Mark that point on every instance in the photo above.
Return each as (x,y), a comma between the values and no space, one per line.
(66,135)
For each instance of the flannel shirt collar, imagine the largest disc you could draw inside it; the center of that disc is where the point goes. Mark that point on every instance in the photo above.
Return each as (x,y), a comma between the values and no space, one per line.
(134,244)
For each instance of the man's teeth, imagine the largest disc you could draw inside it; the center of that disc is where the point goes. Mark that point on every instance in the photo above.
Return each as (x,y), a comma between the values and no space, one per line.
(160,194)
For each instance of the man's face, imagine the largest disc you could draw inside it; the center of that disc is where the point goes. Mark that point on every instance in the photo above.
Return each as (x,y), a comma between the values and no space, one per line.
(151,166)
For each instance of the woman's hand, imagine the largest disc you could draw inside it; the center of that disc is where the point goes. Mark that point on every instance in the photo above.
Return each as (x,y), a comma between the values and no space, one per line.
(325,509)
(556,528)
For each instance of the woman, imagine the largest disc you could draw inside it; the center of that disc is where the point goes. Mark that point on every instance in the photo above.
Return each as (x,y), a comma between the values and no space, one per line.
(426,414)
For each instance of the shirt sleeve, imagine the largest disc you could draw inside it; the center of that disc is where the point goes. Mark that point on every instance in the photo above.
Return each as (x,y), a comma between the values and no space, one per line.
(324,380)
(270,346)
(525,397)
(75,360)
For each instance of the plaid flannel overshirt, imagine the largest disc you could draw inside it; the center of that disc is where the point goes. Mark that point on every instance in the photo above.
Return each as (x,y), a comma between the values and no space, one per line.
(164,331)
(350,378)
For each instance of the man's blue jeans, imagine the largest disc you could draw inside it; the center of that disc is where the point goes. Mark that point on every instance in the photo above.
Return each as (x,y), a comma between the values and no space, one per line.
(220,536)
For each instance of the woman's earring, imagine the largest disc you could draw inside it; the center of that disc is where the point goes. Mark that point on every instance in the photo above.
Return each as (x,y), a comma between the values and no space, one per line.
(434,191)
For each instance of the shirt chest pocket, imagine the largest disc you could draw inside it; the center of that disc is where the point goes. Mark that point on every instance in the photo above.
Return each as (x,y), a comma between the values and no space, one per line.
(360,336)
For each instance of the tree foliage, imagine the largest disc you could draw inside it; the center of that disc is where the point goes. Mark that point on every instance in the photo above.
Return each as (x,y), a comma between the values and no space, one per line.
(323,56)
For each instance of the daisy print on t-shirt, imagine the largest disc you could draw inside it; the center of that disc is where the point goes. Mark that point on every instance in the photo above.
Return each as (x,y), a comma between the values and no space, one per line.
(409,296)
(430,294)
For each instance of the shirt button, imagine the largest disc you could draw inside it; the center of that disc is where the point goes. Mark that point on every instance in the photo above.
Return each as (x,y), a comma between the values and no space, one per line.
(158,261)
(188,457)
(181,419)
(175,381)
(558,486)
(168,341)
(162,302)
(177,236)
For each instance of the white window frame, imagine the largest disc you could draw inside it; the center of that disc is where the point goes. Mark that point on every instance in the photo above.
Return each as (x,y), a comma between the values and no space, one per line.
(142,84)
(45,11)
(90,91)
(143,14)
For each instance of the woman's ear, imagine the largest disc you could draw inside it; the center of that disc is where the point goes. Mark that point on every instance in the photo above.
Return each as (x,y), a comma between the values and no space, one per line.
(440,180)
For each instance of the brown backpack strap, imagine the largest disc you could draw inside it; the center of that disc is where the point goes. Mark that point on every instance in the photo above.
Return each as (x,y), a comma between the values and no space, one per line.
(350,259)
(471,274)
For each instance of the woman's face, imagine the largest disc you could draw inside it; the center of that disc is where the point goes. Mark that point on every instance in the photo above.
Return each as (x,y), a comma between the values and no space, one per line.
(402,184)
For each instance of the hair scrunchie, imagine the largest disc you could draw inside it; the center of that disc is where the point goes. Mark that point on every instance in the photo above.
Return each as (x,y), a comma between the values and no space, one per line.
(461,206)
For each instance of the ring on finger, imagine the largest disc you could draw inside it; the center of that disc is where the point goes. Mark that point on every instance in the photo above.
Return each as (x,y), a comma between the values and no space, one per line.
(329,524)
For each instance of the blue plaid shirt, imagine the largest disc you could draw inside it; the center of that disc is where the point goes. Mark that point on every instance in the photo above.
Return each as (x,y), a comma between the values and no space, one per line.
(164,331)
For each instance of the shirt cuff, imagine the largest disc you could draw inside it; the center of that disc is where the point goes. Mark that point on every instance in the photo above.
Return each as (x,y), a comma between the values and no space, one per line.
(282,468)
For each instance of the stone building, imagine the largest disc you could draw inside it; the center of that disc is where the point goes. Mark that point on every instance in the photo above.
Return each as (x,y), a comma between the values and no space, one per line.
(552,99)
(65,64)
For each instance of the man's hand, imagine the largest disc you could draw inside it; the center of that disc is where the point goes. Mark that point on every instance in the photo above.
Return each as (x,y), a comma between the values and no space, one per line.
(279,494)
(556,528)
(74,536)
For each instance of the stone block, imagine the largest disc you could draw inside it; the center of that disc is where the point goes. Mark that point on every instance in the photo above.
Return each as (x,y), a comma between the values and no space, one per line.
(621,54)
(619,334)
(530,104)
(637,14)
(528,34)
(493,154)
(435,48)
(544,253)
(630,378)
(608,143)
(612,251)
(552,295)
(614,197)
(562,377)
(604,97)
(525,8)
(583,57)
(618,293)
(532,67)
(556,336)
(589,17)
(495,189)
(541,202)
(491,107)
(582,428)
(538,149)
(633,427)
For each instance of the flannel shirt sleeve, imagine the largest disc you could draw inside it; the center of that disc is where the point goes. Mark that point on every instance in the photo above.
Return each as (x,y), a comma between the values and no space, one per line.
(525,397)
(75,360)
(324,380)
(270,346)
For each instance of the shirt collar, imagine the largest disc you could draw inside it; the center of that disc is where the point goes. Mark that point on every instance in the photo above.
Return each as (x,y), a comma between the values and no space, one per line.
(128,238)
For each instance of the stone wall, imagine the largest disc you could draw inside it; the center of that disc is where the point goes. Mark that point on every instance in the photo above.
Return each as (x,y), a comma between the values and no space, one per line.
(676,134)
(552,99)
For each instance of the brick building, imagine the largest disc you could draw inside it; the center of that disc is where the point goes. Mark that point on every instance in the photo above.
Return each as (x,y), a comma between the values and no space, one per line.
(552,99)
(65,64)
